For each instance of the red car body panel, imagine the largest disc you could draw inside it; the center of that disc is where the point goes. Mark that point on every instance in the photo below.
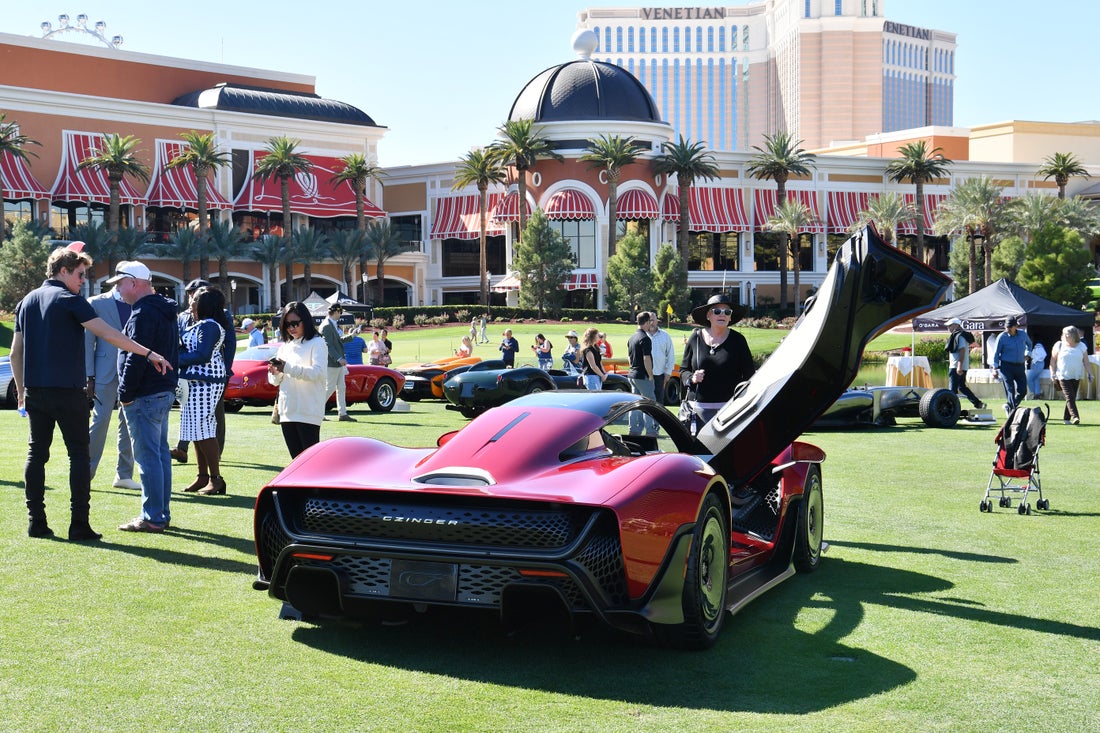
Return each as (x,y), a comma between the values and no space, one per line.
(249,385)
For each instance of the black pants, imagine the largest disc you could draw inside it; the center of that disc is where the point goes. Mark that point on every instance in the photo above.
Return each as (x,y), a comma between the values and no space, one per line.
(67,409)
(300,435)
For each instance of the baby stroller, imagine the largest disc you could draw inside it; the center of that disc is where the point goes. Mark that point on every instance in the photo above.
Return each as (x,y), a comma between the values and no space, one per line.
(1016,466)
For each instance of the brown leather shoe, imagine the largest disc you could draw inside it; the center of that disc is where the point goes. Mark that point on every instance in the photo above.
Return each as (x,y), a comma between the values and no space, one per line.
(179,455)
(200,482)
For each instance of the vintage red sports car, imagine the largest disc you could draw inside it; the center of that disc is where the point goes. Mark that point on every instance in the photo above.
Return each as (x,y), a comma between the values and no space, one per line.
(378,386)
(549,502)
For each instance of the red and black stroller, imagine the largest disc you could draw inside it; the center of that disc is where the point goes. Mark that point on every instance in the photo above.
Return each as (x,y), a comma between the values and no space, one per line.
(1016,467)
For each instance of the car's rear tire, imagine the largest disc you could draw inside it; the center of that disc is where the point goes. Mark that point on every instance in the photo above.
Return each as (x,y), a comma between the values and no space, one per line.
(672,391)
(939,408)
(13,401)
(384,395)
(811,524)
(704,594)
(232,406)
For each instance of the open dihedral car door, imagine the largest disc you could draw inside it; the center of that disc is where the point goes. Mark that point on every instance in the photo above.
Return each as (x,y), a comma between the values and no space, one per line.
(870,287)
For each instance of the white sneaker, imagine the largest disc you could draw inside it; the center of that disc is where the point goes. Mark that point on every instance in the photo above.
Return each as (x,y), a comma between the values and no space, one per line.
(126,483)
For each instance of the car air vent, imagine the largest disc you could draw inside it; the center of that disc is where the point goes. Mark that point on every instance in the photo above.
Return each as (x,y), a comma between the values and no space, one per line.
(456,477)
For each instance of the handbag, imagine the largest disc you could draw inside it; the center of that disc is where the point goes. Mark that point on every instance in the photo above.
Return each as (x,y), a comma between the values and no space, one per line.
(275,413)
(385,359)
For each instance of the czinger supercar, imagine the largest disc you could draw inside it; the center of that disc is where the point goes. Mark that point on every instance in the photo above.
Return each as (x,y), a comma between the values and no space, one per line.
(597,503)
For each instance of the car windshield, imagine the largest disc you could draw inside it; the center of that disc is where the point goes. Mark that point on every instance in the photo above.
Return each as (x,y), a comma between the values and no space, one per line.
(263,352)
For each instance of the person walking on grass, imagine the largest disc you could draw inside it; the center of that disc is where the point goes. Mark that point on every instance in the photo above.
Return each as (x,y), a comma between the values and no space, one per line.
(50,323)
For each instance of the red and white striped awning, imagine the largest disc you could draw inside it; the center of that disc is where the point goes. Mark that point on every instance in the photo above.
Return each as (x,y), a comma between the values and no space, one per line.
(176,188)
(576,281)
(312,193)
(507,208)
(507,284)
(19,182)
(931,201)
(569,203)
(718,210)
(844,208)
(636,204)
(581,281)
(765,200)
(88,185)
(459,217)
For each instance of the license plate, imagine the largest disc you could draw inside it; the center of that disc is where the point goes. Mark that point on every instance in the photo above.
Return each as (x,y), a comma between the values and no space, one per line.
(426,581)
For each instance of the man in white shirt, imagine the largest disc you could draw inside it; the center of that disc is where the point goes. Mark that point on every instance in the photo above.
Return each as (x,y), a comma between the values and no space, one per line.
(664,356)
(255,335)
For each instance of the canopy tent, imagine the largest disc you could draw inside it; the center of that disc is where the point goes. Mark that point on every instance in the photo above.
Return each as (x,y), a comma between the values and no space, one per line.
(348,303)
(317,306)
(987,309)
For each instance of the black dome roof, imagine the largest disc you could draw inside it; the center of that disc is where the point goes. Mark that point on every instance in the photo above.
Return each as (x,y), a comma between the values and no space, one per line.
(585,90)
(278,102)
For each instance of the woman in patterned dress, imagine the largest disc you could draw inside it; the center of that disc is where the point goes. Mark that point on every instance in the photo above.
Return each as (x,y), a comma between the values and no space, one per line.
(202,365)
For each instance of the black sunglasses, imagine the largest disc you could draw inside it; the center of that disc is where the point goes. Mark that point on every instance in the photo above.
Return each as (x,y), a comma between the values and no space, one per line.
(722,311)
(292,324)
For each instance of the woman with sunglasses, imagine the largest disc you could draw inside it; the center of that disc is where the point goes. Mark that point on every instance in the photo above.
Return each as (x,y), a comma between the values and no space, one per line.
(299,369)
(716,359)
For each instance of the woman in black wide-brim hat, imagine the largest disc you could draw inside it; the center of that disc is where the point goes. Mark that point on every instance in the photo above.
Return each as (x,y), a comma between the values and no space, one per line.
(716,359)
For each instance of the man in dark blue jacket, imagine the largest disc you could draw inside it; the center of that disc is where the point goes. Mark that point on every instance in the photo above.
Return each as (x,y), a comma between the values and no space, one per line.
(145,394)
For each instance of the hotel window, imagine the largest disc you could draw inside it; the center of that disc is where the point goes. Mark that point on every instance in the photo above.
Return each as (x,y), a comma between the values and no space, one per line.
(863,8)
(664,40)
(687,40)
(596,30)
(653,40)
(676,40)
(711,252)
(721,39)
(837,9)
(710,39)
(641,40)
(806,12)
(607,40)
(630,40)
(745,38)
(408,231)
(699,39)
(580,234)
(461,256)
(733,38)
(619,39)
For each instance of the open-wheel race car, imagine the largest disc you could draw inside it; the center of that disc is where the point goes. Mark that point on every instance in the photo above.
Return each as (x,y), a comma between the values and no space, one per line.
(879,406)
(549,501)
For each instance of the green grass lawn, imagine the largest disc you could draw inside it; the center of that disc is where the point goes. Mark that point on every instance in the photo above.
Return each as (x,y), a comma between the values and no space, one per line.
(926,614)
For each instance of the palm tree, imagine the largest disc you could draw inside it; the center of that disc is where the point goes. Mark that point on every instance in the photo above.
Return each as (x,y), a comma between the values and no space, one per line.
(13,143)
(480,168)
(887,211)
(357,171)
(792,218)
(918,165)
(225,243)
(283,161)
(612,153)
(310,245)
(346,247)
(203,157)
(98,244)
(779,159)
(522,145)
(115,157)
(184,246)
(1061,167)
(690,162)
(1030,213)
(268,250)
(382,244)
(975,210)
(131,244)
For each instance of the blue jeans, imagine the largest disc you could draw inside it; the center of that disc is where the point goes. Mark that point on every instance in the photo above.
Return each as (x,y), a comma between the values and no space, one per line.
(1014,379)
(593,382)
(1034,383)
(640,422)
(147,418)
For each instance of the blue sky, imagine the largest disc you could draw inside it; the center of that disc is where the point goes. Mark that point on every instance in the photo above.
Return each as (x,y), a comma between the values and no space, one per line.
(443,88)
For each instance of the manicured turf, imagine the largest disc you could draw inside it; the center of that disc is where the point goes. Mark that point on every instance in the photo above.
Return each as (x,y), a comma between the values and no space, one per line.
(926,614)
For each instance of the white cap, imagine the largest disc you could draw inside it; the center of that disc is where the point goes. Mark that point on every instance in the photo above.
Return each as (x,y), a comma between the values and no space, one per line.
(572,335)
(247,322)
(955,322)
(134,269)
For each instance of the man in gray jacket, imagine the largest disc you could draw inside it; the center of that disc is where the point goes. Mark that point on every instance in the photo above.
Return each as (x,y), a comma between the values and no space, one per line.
(101,366)
(337,363)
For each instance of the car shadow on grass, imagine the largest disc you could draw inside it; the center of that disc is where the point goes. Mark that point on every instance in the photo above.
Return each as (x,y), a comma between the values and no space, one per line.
(764,661)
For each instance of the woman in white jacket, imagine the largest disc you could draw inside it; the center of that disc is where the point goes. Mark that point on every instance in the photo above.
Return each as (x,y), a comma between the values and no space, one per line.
(299,369)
